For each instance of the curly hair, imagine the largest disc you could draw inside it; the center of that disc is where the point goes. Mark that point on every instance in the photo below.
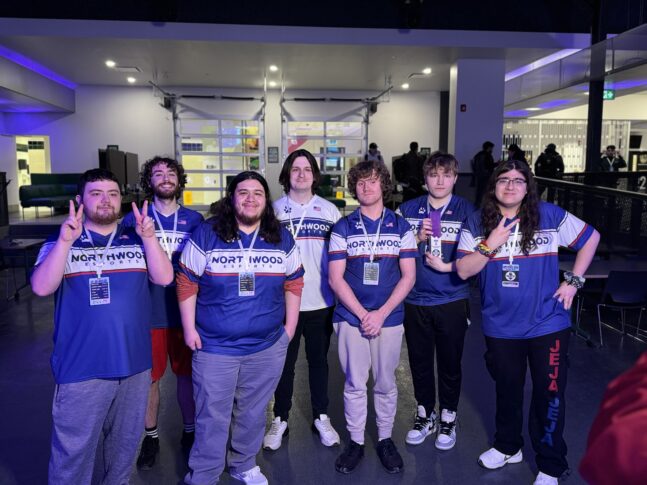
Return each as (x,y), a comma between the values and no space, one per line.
(284,177)
(225,224)
(439,159)
(528,212)
(147,172)
(367,169)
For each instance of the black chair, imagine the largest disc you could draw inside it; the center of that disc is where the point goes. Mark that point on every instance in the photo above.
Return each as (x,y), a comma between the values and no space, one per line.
(624,290)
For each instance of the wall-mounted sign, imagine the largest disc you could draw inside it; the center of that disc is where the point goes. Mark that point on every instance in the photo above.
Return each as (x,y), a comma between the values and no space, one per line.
(272,154)
(609,94)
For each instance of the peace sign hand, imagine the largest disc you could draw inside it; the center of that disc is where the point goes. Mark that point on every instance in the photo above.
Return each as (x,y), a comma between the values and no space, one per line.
(144,227)
(72,226)
(500,234)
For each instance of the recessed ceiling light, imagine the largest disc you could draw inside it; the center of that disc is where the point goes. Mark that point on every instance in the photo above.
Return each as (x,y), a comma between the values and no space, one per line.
(274,68)
(110,63)
(131,80)
(426,70)
(533,109)
(405,86)
(272,84)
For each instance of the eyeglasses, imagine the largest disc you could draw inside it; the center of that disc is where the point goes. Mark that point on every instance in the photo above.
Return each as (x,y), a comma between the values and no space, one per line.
(505,181)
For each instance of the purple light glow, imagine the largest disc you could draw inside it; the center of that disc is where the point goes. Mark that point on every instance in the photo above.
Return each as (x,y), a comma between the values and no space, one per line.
(35,67)
(556,56)
(519,113)
(555,103)
(628,84)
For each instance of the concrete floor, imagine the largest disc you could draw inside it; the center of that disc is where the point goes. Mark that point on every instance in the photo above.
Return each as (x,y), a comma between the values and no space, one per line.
(26,387)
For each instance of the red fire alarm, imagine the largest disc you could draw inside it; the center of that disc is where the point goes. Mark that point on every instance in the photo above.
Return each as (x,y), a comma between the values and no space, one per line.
(463,108)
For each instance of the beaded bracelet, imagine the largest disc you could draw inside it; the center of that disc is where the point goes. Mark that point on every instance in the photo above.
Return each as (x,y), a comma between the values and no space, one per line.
(485,250)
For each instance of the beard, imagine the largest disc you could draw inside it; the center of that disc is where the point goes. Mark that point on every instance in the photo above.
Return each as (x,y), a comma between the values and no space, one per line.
(103,218)
(166,194)
(248,220)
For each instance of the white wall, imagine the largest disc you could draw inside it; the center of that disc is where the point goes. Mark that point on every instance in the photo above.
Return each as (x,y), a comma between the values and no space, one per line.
(628,107)
(132,118)
(9,164)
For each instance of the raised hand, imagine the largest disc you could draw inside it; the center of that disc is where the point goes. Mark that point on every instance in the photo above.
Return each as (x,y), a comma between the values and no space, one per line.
(144,225)
(424,230)
(72,226)
(500,234)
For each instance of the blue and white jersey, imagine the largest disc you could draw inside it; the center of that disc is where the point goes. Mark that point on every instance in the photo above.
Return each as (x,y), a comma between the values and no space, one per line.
(528,310)
(226,322)
(433,287)
(349,242)
(166,312)
(101,341)
(313,239)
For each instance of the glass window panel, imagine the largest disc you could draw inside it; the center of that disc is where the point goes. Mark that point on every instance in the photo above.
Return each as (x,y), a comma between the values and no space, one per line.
(232,145)
(235,163)
(313,146)
(239,127)
(201,197)
(305,128)
(200,144)
(344,146)
(344,128)
(200,162)
(207,127)
(204,180)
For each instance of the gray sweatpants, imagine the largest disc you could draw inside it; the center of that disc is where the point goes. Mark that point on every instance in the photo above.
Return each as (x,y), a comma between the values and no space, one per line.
(231,390)
(358,355)
(82,413)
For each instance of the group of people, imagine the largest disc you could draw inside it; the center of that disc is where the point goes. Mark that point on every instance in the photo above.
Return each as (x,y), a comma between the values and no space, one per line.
(229,298)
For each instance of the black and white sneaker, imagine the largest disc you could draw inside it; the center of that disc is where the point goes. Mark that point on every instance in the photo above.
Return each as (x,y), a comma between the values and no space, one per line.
(446,437)
(423,426)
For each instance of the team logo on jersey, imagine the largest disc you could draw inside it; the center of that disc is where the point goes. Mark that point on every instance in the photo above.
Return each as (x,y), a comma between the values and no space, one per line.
(287,209)
(358,225)
(421,210)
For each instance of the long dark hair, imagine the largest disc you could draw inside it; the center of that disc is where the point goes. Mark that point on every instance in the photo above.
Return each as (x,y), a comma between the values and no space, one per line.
(528,212)
(224,212)
(284,177)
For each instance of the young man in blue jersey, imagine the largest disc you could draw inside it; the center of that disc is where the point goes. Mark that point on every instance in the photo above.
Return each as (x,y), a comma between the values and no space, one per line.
(372,269)
(435,312)
(163,180)
(239,289)
(309,218)
(513,243)
(99,271)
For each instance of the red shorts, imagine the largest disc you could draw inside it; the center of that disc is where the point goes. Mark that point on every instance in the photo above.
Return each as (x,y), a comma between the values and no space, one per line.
(170,341)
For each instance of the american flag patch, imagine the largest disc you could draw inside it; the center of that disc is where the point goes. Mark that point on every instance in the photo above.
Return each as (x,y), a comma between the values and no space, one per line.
(449,213)
(317,208)
(182,222)
(388,224)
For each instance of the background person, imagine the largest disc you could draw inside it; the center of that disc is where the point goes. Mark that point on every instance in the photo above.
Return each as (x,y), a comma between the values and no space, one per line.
(99,272)
(239,289)
(371,270)
(436,309)
(309,218)
(513,243)
(482,167)
(162,180)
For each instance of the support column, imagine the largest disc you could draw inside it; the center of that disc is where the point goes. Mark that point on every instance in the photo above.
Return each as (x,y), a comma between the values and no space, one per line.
(476,92)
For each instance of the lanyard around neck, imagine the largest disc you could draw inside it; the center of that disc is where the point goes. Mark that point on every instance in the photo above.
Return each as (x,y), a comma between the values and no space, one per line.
(246,252)
(442,210)
(98,263)
(305,207)
(514,242)
(167,248)
(371,247)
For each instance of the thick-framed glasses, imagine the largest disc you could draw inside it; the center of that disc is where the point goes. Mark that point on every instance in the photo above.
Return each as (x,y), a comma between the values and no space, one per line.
(505,181)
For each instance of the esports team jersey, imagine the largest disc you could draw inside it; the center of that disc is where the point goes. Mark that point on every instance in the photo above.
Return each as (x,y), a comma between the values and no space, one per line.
(529,309)
(312,240)
(349,242)
(165,309)
(434,287)
(226,322)
(101,341)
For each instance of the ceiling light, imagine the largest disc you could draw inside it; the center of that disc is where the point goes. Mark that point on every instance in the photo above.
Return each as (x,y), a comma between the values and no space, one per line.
(272,84)
(426,70)
(533,109)
(110,63)
(405,86)
(586,93)
(131,80)
(274,68)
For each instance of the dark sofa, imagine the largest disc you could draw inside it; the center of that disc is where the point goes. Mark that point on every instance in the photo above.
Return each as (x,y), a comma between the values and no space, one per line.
(49,190)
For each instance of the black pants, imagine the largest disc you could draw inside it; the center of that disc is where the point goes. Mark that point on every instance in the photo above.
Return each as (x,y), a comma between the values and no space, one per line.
(507,361)
(316,328)
(439,328)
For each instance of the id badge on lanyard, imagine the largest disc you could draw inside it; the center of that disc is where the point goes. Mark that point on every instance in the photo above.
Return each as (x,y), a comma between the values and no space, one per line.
(99,291)
(247,278)
(510,271)
(435,246)
(371,275)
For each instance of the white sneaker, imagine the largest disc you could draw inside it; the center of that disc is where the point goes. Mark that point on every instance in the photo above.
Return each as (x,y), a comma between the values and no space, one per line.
(493,459)
(253,476)
(274,437)
(543,479)
(423,426)
(446,437)
(323,427)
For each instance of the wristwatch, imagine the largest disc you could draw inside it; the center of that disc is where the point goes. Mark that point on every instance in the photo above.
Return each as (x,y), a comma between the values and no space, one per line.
(573,280)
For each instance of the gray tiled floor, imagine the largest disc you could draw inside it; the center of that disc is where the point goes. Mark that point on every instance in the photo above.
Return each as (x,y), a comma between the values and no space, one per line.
(25,403)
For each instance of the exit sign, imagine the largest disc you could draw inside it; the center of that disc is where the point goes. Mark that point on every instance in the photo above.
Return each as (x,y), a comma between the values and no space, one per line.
(609,94)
